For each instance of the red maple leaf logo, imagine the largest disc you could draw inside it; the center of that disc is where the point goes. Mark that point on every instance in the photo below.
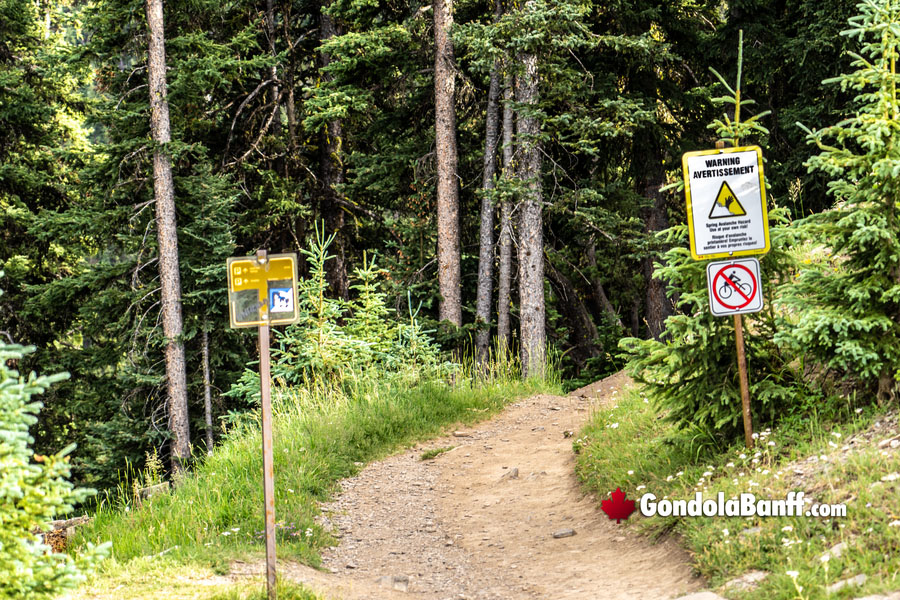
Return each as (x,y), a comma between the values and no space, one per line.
(618,508)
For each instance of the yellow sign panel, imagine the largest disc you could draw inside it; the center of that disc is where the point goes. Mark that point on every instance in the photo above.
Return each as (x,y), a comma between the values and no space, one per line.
(726,202)
(262,292)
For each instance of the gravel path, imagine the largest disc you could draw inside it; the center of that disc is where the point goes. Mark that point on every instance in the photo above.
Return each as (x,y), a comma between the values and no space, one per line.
(478,522)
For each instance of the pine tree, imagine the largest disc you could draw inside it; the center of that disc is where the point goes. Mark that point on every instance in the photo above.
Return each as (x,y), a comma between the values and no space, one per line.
(167,234)
(848,311)
(448,248)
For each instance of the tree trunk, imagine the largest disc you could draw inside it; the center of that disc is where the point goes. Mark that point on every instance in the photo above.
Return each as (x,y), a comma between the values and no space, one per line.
(207,392)
(270,33)
(167,233)
(486,234)
(504,283)
(450,307)
(331,173)
(657,307)
(531,242)
(601,300)
(582,330)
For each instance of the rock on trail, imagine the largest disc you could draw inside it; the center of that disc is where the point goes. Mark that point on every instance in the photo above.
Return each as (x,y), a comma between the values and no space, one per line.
(499,517)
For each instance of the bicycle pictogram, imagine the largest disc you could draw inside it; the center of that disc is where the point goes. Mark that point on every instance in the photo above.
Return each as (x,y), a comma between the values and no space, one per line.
(734,287)
(736,283)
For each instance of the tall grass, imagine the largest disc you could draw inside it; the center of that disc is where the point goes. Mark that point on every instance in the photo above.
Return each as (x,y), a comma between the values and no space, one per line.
(323,432)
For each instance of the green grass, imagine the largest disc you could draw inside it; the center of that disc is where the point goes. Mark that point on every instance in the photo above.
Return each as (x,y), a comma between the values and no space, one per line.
(285,591)
(630,447)
(322,434)
(435,452)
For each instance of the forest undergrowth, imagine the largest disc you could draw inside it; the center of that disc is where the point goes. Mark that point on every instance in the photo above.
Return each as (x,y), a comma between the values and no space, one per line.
(352,383)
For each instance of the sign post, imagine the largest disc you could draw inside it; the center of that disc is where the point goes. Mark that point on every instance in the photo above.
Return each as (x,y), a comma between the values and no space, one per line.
(262,291)
(725,191)
(735,288)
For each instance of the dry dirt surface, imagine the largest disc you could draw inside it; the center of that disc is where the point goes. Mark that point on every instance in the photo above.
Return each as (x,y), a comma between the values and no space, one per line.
(478,522)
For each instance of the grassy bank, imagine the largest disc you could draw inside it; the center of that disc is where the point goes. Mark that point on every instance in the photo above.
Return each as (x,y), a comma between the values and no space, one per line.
(630,447)
(322,435)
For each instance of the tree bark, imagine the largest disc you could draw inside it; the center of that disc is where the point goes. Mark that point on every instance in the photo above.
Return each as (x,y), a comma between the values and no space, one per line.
(504,283)
(657,307)
(531,242)
(582,330)
(486,234)
(207,392)
(270,33)
(448,251)
(331,174)
(167,234)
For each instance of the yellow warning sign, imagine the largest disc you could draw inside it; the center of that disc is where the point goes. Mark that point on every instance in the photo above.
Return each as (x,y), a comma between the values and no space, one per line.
(726,204)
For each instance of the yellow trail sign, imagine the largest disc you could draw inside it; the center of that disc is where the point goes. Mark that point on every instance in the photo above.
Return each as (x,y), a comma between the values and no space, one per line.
(262,292)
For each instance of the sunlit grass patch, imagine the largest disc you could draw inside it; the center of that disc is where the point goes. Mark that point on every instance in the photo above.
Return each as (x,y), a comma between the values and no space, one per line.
(322,434)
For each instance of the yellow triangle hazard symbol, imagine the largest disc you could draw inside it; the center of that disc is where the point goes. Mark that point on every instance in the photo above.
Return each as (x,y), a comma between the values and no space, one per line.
(726,204)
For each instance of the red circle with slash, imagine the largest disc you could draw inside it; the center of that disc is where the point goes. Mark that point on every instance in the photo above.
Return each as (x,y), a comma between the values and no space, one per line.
(743,298)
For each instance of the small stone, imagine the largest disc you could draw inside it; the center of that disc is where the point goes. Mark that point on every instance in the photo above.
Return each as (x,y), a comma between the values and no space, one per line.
(563,533)
(619,538)
(461,434)
(399,583)
(849,582)
(555,408)
(746,582)
(704,595)
(511,474)
(895,443)
(350,565)
(537,429)
(833,552)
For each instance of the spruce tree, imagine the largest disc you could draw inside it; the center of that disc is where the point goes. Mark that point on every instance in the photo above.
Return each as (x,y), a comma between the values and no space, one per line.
(33,490)
(847,311)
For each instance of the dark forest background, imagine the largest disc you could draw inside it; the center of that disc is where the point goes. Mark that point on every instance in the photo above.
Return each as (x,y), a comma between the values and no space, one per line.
(289,114)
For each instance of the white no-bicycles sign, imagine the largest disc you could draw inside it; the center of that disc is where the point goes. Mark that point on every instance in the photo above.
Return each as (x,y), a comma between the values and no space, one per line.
(735,287)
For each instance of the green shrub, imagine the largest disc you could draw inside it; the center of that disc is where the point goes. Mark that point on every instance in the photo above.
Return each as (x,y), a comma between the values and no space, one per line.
(849,308)
(691,372)
(338,342)
(32,492)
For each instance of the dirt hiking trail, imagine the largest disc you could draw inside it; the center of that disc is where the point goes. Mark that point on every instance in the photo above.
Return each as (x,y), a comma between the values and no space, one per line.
(478,522)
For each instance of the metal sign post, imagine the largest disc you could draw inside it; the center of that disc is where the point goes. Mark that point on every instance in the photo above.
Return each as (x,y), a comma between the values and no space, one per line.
(262,291)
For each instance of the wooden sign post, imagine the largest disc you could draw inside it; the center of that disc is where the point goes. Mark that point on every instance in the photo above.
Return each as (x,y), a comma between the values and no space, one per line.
(726,207)
(262,291)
